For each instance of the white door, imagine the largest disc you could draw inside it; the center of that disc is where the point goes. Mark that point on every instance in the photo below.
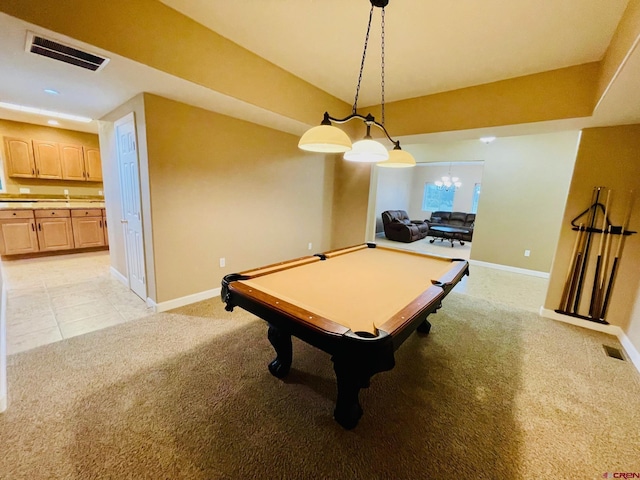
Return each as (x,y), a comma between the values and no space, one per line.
(131,212)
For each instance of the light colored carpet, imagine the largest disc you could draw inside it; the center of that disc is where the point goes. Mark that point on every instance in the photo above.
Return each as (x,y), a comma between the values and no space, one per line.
(493,392)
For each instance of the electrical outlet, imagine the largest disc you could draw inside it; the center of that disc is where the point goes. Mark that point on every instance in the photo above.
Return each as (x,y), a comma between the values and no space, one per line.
(310,245)
(527,253)
(99,192)
(223,262)
(25,190)
(66,192)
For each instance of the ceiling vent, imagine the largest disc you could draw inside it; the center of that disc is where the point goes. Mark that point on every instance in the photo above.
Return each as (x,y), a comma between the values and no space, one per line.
(64,53)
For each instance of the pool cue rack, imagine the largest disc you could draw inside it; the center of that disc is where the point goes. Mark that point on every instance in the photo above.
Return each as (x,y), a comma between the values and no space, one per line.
(607,260)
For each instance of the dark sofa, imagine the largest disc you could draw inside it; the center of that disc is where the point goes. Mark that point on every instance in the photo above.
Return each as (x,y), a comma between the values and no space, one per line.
(398,227)
(452,219)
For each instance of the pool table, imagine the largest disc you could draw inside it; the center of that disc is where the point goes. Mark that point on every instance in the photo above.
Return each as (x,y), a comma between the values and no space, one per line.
(358,304)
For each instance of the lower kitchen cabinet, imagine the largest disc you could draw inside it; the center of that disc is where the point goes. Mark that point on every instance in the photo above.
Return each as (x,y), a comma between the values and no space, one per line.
(54,230)
(25,231)
(18,232)
(88,229)
(104,226)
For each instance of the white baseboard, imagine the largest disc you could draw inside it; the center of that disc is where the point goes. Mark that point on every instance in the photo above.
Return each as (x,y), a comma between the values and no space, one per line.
(497,266)
(118,276)
(182,301)
(629,348)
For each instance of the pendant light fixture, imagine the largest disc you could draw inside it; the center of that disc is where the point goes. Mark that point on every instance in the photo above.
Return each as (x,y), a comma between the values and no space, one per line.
(327,138)
(447,182)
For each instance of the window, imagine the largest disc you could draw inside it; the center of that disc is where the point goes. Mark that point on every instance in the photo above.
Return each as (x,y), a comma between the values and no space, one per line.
(436,198)
(476,198)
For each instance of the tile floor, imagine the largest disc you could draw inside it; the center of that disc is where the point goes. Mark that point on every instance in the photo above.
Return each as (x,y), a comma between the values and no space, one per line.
(441,248)
(498,286)
(57,297)
(52,298)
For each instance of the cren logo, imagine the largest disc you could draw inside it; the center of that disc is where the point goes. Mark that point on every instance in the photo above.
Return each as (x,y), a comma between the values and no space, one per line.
(621,475)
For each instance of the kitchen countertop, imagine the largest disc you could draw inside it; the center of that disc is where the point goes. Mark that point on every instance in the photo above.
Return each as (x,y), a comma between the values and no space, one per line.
(49,205)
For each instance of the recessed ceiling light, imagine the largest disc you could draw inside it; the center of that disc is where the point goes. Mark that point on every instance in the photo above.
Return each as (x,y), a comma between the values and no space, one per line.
(487,139)
(53,122)
(47,113)
(51,91)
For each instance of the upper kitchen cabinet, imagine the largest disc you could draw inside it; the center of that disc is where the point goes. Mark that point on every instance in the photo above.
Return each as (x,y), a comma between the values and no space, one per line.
(52,160)
(80,163)
(72,160)
(19,157)
(92,164)
(47,156)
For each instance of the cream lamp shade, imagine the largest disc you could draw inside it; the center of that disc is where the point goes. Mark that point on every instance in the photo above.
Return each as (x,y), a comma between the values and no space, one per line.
(325,139)
(398,159)
(367,150)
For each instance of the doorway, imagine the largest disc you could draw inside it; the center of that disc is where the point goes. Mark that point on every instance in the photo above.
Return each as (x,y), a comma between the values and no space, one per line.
(417,191)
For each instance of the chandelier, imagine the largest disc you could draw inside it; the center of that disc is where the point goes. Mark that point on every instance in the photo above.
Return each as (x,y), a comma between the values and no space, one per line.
(326,138)
(447,181)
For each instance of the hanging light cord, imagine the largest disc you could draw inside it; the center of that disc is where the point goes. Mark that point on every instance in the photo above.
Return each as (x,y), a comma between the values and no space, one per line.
(369,119)
(382,64)
(364,55)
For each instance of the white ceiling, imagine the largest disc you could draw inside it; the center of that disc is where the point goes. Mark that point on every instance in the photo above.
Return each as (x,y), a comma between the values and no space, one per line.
(431,46)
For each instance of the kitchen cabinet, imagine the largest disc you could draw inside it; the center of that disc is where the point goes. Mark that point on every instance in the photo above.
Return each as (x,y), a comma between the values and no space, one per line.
(24,231)
(80,163)
(54,229)
(92,164)
(47,159)
(17,232)
(19,157)
(88,229)
(104,227)
(72,162)
(52,160)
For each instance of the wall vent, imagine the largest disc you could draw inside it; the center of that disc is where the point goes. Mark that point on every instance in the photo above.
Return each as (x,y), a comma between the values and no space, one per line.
(46,47)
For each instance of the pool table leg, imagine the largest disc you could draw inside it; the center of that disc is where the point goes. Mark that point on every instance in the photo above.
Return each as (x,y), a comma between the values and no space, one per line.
(281,342)
(424,327)
(350,380)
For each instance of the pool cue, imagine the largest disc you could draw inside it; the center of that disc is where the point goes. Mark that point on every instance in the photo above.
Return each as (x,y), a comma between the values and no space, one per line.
(602,281)
(572,265)
(585,257)
(616,260)
(576,269)
(595,290)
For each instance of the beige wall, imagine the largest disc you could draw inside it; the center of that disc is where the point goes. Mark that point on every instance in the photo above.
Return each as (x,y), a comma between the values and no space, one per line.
(606,157)
(46,187)
(633,331)
(557,94)
(350,203)
(393,191)
(524,186)
(222,187)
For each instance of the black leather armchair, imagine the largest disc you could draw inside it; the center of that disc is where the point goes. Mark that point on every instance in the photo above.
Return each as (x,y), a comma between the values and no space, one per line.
(398,227)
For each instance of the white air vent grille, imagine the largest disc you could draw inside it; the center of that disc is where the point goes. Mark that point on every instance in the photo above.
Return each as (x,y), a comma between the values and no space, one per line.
(64,53)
